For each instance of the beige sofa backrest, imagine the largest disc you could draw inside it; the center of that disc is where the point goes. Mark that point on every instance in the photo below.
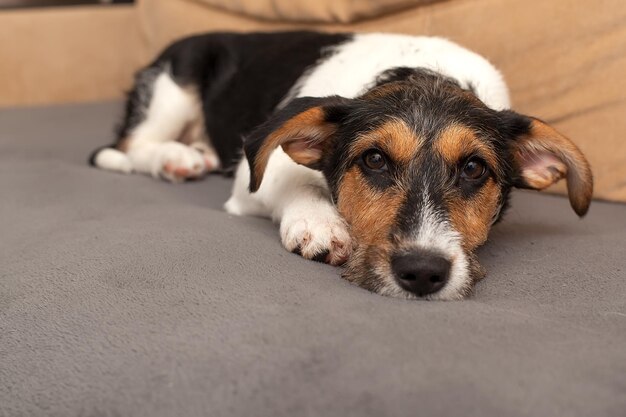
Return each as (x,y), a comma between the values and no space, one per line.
(327,11)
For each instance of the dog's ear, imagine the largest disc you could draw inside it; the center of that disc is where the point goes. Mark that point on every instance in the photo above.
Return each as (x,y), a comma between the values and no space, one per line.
(304,129)
(542,156)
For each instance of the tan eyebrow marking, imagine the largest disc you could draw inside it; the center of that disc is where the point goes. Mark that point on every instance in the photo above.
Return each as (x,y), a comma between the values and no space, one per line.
(458,141)
(393,137)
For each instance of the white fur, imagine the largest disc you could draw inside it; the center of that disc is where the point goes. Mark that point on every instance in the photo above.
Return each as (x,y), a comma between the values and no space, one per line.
(436,234)
(298,198)
(354,66)
(114,160)
(170,110)
(165,159)
(151,146)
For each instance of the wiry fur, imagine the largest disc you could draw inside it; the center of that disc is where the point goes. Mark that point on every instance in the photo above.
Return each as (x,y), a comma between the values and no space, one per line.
(311,106)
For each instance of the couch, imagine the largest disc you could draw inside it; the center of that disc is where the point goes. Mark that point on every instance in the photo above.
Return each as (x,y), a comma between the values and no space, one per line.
(563,60)
(126,296)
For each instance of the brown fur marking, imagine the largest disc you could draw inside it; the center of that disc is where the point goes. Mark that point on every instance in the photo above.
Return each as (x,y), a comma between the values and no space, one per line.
(472,218)
(457,141)
(301,137)
(394,138)
(542,139)
(370,213)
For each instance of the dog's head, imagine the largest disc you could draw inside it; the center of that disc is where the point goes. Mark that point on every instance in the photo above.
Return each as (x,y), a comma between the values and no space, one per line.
(420,169)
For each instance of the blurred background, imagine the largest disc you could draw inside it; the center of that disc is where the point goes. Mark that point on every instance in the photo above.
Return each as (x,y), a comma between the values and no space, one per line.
(564,60)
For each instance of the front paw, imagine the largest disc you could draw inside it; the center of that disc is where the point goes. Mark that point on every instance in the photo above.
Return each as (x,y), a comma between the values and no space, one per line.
(320,239)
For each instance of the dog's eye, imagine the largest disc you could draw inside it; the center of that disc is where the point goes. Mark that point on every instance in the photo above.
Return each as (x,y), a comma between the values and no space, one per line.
(374,160)
(473,170)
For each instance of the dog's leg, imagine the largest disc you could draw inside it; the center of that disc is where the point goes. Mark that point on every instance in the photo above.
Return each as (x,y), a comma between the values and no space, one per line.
(298,198)
(195,136)
(163,133)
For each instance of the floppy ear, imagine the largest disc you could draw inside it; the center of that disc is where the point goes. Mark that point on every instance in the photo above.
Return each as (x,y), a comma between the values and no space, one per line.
(304,129)
(542,156)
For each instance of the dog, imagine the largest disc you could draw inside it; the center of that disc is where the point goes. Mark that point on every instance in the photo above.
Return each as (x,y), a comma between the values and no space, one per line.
(392,154)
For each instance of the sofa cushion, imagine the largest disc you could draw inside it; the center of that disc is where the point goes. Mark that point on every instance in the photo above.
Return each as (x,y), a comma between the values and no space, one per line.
(126,296)
(343,11)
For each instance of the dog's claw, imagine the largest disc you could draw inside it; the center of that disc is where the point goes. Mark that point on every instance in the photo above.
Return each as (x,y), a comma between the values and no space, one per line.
(323,256)
(321,240)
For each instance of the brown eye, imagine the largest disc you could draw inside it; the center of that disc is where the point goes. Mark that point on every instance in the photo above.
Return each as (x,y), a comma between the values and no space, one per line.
(374,160)
(473,170)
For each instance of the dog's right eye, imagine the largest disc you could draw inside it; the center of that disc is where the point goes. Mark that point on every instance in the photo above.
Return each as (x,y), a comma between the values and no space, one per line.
(375,160)
(474,170)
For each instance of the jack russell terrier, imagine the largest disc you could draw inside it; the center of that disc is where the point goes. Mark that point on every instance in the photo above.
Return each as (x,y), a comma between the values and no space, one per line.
(393,154)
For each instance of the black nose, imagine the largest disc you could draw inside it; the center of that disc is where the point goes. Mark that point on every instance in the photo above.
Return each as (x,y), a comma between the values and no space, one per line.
(421,273)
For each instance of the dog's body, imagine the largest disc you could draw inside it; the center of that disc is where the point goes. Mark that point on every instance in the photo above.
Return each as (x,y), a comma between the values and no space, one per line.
(393,151)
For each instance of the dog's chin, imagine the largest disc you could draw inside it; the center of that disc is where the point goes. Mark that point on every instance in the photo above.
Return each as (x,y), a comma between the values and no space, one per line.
(466,271)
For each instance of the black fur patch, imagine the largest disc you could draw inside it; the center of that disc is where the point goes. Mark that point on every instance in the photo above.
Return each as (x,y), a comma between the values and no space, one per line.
(240,78)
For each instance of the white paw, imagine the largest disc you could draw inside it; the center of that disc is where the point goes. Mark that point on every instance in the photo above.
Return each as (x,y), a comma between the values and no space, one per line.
(113,160)
(318,237)
(176,162)
(211,160)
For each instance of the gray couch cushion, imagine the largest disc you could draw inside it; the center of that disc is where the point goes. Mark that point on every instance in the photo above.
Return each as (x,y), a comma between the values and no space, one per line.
(126,296)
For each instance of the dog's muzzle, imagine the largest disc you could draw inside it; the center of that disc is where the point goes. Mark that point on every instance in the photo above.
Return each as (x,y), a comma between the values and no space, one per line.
(421,272)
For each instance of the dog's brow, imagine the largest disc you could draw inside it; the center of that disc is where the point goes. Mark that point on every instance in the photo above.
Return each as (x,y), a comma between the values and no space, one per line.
(457,141)
(393,137)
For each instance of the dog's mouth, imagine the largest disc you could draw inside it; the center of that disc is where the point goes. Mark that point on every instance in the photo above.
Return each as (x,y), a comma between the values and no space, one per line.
(415,274)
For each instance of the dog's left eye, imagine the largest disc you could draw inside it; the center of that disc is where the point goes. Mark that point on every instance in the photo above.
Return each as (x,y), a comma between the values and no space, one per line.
(473,170)
(375,160)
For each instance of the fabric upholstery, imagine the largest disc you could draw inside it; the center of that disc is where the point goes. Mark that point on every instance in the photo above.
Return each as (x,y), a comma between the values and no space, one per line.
(563,62)
(330,11)
(126,296)
(68,54)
